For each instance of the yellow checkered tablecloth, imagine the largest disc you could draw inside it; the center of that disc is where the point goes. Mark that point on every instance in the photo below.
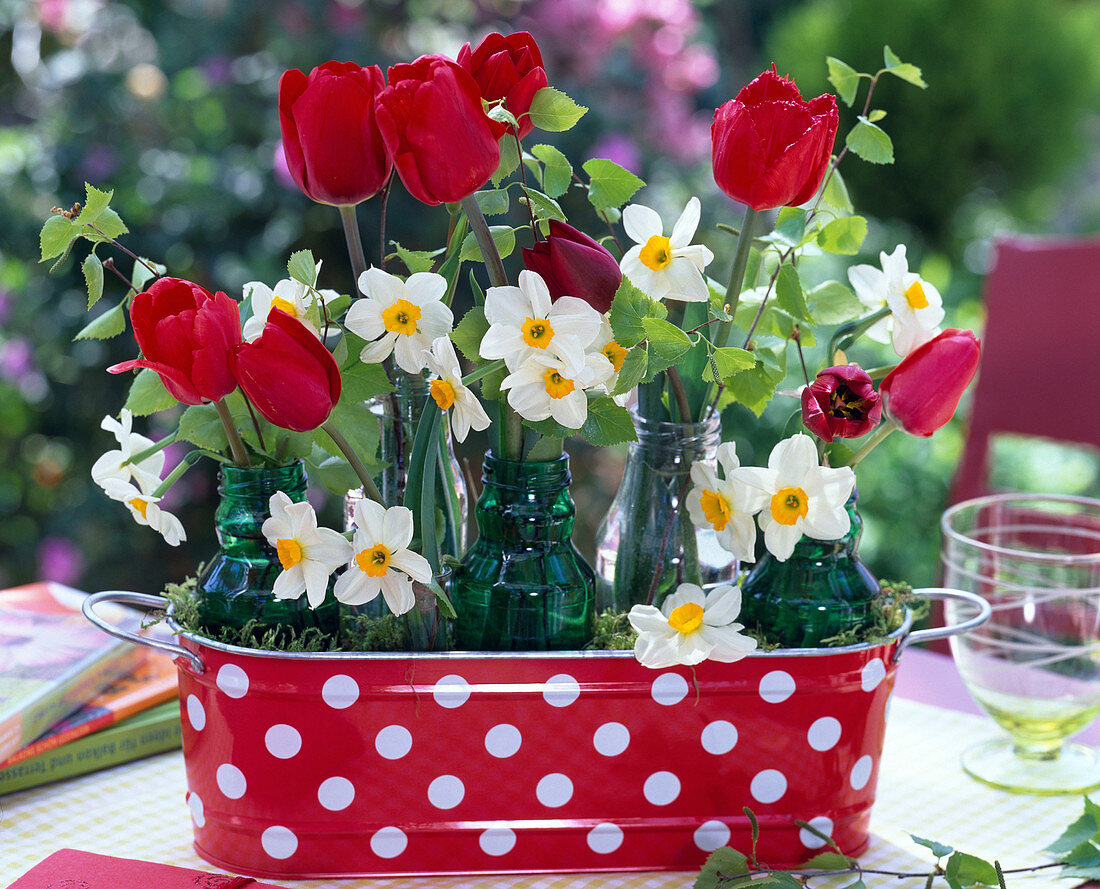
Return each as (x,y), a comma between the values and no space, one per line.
(137,811)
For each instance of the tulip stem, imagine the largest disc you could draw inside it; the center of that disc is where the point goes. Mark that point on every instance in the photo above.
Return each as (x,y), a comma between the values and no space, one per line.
(174,476)
(369,487)
(355,243)
(887,426)
(236,445)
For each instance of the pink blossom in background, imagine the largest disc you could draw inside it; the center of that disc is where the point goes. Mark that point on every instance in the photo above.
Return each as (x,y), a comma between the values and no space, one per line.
(59,560)
(620,149)
(218,70)
(282,171)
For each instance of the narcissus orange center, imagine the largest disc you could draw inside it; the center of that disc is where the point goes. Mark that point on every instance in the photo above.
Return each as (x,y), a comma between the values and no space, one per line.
(140,505)
(915,296)
(285,305)
(687,618)
(557,386)
(716,509)
(443,393)
(616,354)
(290,552)
(537,332)
(374,561)
(657,253)
(789,505)
(401,317)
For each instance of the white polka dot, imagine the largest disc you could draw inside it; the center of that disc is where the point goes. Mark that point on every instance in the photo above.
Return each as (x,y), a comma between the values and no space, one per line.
(503,740)
(669,689)
(824,733)
(451,691)
(232,680)
(812,840)
(719,737)
(446,792)
(231,780)
(711,835)
(279,842)
(554,790)
(196,715)
(661,788)
(497,840)
(336,794)
(611,739)
(861,773)
(393,742)
(340,691)
(605,838)
(388,842)
(561,690)
(283,741)
(873,673)
(768,786)
(198,812)
(776,686)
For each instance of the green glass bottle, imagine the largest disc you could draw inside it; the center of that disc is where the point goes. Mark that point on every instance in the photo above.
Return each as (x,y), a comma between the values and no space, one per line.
(235,586)
(523,586)
(821,591)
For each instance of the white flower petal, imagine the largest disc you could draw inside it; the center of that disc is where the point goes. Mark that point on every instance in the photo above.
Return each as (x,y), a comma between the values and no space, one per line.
(398,592)
(413,564)
(397,528)
(642,223)
(685,227)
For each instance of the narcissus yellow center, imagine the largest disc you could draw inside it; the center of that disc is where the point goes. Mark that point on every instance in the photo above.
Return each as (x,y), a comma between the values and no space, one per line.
(537,332)
(915,296)
(401,317)
(687,618)
(140,505)
(285,305)
(789,505)
(716,509)
(443,393)
(289,550)
(657,253)
(374,561)
(616,354)
(557,386)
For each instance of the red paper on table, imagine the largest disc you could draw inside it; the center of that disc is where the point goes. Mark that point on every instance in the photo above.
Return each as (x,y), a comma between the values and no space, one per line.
(70,867)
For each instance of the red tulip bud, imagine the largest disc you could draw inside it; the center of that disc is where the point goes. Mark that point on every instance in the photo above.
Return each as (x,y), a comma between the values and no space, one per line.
(186,335)
(508,68)
(922,392)
(841,403)
(288,374)
(572,264)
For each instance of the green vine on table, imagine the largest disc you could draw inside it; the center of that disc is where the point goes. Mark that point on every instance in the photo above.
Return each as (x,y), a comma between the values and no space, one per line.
(1076,852)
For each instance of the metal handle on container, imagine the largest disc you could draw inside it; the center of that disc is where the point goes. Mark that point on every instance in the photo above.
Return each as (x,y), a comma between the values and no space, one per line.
(146,601)
(933,633)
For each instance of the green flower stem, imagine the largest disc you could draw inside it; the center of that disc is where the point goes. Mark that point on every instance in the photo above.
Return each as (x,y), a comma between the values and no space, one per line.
(153,449)
(236,445)
(847,333)
(174,476)
(369,487)
(355,243)
(885,428)
(420,482)
(483,371)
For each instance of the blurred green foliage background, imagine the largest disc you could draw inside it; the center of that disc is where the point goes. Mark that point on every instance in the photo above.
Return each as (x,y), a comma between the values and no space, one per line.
(173,105)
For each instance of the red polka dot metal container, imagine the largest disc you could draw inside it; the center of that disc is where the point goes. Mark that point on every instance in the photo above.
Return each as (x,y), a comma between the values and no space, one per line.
(337,765)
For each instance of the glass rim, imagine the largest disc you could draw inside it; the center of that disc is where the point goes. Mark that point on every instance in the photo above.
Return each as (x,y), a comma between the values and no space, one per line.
(978,503)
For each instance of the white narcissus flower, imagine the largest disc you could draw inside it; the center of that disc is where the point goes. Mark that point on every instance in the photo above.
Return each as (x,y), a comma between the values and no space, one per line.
(402,317)
(307,553)
(144,508)
(690,627)
(545,386)
(115,464)
(293,297)
(449,392)
(801,496)
(665,267)
(916,308)
(725,504)
(382,561)
(524,322)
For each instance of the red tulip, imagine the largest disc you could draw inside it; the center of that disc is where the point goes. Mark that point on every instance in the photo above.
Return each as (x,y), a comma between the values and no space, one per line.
(770,147)
(186,334)
(508,68)
(572,264)
(841,403)
(288,374)
(922,392)
(443,144)
(333,148)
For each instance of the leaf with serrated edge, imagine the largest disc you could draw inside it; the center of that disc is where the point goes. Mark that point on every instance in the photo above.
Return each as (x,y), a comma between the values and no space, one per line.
(509,159)
(302,267)
(906,71)
(557,172)
(843,236)
(634,370)
(504,236)
(109,225)
(833,303)
(543,206)
(965,870)
(56,236)
(725,363)
(629,309)
(835,194)
(95,202)
(93,278)
(845,78)
(610,185)
(666,340)
(938,849)
(724,860)
(110,323)
(493,202)
(553,111)
(830,861)
(361,382)
(144,270)
(469,332)
(201,425)
(415,260)
(147,394)
(1081,830)
(607,423)
(788,293)
(870,142)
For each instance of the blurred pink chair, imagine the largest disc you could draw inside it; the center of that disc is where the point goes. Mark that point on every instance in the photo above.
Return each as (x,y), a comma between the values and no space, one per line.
(1040,351)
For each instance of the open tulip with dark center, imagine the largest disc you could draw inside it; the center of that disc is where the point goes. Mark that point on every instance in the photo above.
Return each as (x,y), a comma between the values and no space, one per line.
(923,391)
(572,264)
(509,68)
(841,403)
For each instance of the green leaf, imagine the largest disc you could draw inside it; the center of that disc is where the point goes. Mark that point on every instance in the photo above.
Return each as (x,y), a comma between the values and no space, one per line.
(362,382)
(415,260)
(490,383)
(110,323)
(147,394)
(553,111)
(1082,855)
(870,142)
(876,115)
(666,340)
(493,201)
(333,472)
(634,370)
(95,202)
(964,870)
(938,849)
(754,388)
(907,72)
(110,226)
(468,334)
(844,236)
(607,423)
(93,278)
(499,113)
(557,172)
(726,362)
(358,425)
(509,159)
(629,310)
(1080,831)
(544,206)
(201,425)
(142,274)
(549,428)
(56,236)
(504,236)
(724,860)
(836,195)
(833,303)
(302,267)
(610,186)
(790,227)
(830,861)
(788,293)
(844,78)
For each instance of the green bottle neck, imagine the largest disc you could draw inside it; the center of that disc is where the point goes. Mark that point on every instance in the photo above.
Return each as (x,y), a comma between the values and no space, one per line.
(245,502)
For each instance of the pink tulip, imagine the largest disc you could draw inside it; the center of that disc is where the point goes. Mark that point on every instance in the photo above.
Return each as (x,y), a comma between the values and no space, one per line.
(923,391)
